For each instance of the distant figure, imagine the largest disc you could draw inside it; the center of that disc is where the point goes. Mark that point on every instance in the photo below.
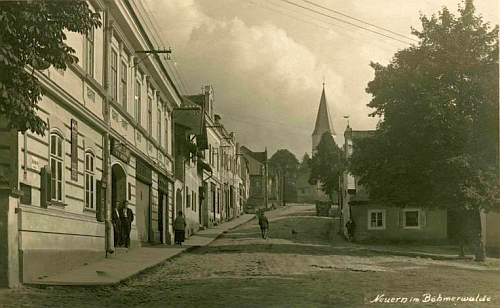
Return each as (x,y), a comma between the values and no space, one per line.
(126,217)
(264,224)
(117,225)
(179,228)
(351,226)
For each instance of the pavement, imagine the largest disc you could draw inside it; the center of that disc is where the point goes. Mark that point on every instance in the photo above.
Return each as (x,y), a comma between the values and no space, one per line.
(130,263)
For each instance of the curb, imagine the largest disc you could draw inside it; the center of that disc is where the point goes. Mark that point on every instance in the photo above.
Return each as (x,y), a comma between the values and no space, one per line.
(422,255)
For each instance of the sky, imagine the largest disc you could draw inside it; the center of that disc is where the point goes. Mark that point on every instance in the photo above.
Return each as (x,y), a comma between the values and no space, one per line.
(267,60)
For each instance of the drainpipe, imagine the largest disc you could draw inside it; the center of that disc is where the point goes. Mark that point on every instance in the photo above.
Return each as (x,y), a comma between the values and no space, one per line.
(106,176)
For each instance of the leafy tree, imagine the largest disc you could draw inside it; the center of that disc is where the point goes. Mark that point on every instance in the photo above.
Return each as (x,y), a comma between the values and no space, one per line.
(287,163)
(437,145)
(304,164)
(327,165)
(32,36)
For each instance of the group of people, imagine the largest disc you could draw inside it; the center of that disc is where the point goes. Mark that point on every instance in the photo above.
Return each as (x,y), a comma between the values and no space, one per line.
(122,218)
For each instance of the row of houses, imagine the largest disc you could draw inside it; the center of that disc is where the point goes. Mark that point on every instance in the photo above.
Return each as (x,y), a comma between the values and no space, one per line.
(118,132)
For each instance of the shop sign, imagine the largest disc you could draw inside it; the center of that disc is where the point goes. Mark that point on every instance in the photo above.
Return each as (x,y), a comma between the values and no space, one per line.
(120,151)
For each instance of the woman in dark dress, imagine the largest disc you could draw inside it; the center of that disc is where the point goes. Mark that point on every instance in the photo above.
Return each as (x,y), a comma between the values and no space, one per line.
(179,228)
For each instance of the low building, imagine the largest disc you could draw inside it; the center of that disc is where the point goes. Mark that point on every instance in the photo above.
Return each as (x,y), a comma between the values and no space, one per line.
(377,222)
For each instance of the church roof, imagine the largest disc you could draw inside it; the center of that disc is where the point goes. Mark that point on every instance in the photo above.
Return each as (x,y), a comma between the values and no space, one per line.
(323,119)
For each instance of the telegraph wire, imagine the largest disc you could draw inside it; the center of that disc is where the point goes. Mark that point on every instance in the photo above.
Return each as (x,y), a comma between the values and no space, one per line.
(173,56)
(346,22)
(175,73)
(367,23)
(155,36)
(314,24)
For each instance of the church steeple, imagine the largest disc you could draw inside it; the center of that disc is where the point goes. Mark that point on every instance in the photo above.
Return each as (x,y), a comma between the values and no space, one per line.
(323,121)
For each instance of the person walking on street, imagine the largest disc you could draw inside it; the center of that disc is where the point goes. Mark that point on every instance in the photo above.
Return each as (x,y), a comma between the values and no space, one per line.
(179,228)
(126,217)
(264,225)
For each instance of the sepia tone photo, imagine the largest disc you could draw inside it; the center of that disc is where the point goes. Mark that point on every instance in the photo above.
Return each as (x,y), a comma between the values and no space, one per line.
(249,153)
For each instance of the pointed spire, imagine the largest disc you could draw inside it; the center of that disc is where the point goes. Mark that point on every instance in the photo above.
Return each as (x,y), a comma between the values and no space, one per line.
(323,119)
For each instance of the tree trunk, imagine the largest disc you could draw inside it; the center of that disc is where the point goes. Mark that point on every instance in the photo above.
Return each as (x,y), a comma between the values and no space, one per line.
(477,236)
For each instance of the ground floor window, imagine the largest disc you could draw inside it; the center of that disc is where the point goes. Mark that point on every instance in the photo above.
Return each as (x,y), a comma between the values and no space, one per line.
(413,218)
(376,220)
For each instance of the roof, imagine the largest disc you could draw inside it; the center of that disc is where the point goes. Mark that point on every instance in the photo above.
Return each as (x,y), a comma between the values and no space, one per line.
(323,119)
(260,156)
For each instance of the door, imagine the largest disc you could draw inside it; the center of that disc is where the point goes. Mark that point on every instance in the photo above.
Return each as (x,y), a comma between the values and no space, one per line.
(142,211)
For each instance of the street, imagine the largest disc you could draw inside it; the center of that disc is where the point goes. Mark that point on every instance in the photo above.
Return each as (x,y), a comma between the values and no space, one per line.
(302,264)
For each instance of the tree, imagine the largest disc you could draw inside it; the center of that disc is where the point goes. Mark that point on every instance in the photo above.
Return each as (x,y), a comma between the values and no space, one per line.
(287,163)
(304,164)
(327,165)
(32,37)
(437,145)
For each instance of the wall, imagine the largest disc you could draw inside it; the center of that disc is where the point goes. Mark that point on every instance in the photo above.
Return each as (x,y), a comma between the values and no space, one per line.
(491,225)
(435,229)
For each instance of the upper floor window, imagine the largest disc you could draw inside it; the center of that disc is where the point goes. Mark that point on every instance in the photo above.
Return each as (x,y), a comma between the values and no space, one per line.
(57,166)
(89,181)
(166,131)
(123,84)
(114,75)
(158,116)
(137,99)
(150,112)
(89,55)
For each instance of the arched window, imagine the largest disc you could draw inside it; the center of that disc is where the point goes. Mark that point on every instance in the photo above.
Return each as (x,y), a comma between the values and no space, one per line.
(57,166)
(89,181)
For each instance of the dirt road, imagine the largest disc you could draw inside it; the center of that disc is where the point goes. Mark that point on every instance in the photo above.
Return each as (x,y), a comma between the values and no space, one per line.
(302,264)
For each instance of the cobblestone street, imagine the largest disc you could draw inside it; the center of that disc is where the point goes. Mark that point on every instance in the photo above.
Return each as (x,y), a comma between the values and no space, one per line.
(302,264)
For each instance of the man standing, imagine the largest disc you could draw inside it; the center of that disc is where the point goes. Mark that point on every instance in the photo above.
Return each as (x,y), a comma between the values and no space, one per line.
(126,217)
(264,225)
(117,225)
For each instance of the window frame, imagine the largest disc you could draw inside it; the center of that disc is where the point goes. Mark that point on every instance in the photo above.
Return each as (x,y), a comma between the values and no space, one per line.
(114,74)
(158,122)
(137,100)
(150,111)
(89,173)
(58,167)
(383,219)
(124,84)
(89,52)
(418,226)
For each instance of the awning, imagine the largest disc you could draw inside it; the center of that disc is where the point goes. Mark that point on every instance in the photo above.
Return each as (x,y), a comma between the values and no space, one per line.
(204,165)
(190,117)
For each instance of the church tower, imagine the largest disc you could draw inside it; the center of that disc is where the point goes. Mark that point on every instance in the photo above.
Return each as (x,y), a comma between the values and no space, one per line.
(323,122)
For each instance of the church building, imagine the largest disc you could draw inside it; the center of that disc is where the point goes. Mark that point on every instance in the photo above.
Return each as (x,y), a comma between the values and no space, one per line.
(307,193)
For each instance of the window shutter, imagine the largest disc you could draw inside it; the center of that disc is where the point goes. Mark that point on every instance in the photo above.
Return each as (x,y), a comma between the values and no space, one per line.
(423,218)
(100,200)
(400,219)
(45,186)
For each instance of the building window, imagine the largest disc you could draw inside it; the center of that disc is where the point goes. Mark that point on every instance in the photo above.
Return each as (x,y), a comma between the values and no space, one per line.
(166,132)
(158,116)
(57,166)
(89,57)
(114,75)
(123,84)
(89,181)
(138,101)
(150,112)
(188,198)
(376,220)
(413,218)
